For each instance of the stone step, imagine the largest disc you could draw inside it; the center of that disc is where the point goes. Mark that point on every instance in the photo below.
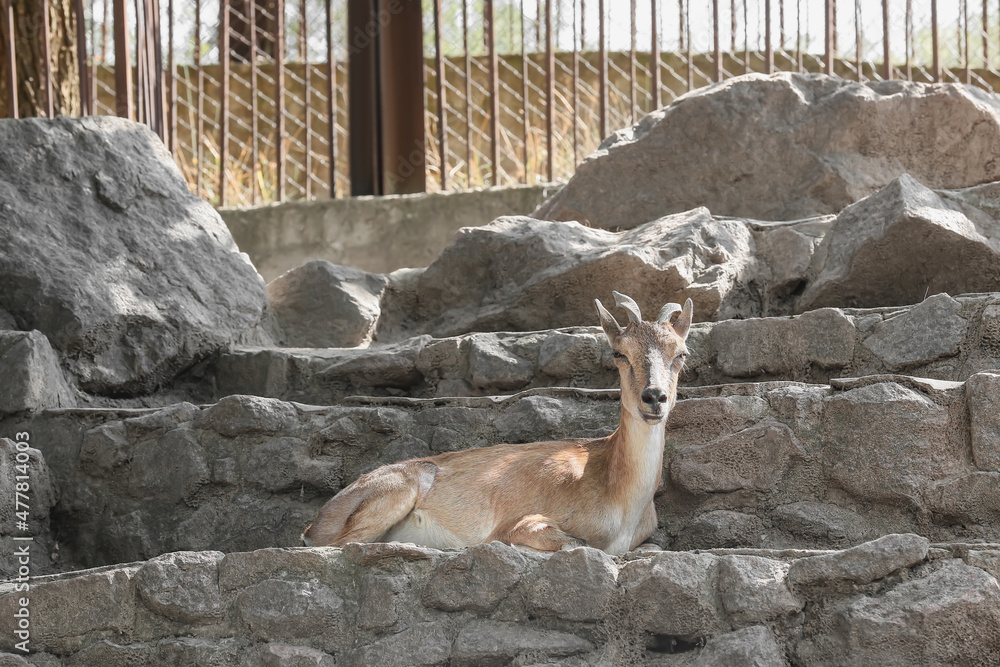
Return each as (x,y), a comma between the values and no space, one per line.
(942,337)
(879,603)
(775,464)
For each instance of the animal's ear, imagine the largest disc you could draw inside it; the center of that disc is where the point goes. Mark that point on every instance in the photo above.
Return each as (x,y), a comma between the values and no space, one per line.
(683,323)
(610,325)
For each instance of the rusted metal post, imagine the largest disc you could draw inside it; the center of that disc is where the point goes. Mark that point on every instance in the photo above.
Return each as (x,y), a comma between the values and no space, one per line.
(686,29)
(631,65)
(255,161)
(279,99)
(199,150)
(158,92)
(441,96)
(886,56)
(550,65)
(47,60)
(602,68)
(986,32)
(489,25)
(124,105)
(828,24)
(9,55)
(365,149)
(717,50)
(799,63)
(81,56)
(768,47)
(224,57)
(965,41)
(654,60)
(857,42)
(909,39)
(331,99)
(525,129)
(576,87)
(746,39)
(307,83)
(936,54)
(172,64)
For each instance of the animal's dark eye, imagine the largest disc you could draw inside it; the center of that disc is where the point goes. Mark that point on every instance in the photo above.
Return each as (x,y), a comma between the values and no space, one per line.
(617,355)
(682,356)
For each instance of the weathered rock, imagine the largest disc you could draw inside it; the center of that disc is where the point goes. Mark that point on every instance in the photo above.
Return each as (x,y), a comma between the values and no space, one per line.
(754,589)
(930,330)
(492,367)
(895,247)
(886,441)
(241,415)
(970,498)
(183,586)
(981,392)
(423,644)
(819,521)
(755,646)
(673,594)
(288,655)
(552,272)
(720,529)
(755,458)
(490,643)
(951,617)
(478,579)
(780,346)
(576,584)
(783,147)
(107,252)
(276,609)
(32,377)
(320,304)
(25,479)
(861,564)
(379,607)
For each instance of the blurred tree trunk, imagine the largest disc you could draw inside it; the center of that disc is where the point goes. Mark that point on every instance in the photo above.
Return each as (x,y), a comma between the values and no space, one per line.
(28,32)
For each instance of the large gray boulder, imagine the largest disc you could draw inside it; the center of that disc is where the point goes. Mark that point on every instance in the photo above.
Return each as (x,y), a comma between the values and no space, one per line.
(783,147)
(106,251)
(522,274)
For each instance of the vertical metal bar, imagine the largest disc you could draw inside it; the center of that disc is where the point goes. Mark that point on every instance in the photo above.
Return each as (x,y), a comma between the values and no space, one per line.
(549,95)
(631,61)
(468,91)
(307,83)
(81,56)
(576,88)
(686,28)
(602,67)
(92,69)
(857,40)
(746,39)
(158,98)
(140,66)
(224,56)
(781,25)
(828,25)
(47,60)
(833,25)
(104,33)
(909,39)
(331,99)
(986,41)
(491,47)
(10,55)
(886,56)
(965,40)
(717,53)
(199,101)
(654,60)
(441,101)
(172,106)
(680,24)
(123,67)
(255,161)
(279,97)
(524,96)
(936,54)
(732,27)
(768,48)
(799,63)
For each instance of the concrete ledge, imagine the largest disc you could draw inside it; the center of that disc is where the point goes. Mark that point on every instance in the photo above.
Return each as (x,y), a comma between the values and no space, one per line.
(379,234)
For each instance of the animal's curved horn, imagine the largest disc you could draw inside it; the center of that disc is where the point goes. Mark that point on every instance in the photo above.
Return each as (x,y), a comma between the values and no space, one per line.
(629,304)
(667,312)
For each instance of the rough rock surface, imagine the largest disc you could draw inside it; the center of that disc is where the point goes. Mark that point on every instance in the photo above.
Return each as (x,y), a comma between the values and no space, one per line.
(522,274)
(32,378)
(783,147)
(106,251)
(316,607)
(320,304)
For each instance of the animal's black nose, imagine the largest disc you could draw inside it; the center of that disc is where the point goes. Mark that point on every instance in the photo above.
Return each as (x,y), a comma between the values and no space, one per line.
(653,395)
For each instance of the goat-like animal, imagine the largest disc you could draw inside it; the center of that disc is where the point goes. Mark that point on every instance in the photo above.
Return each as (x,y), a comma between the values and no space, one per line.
(542,495)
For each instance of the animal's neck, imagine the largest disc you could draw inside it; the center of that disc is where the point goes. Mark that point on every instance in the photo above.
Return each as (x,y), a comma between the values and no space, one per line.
(636,455)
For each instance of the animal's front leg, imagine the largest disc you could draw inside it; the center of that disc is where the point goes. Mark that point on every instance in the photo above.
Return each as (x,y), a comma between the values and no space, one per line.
(537,531)
(646,527)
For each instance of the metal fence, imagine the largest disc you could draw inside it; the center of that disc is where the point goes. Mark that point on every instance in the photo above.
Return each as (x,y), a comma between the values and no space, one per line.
(254,97)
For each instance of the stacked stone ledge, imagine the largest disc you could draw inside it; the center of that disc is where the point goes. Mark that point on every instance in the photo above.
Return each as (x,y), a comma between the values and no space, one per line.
(828,491)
